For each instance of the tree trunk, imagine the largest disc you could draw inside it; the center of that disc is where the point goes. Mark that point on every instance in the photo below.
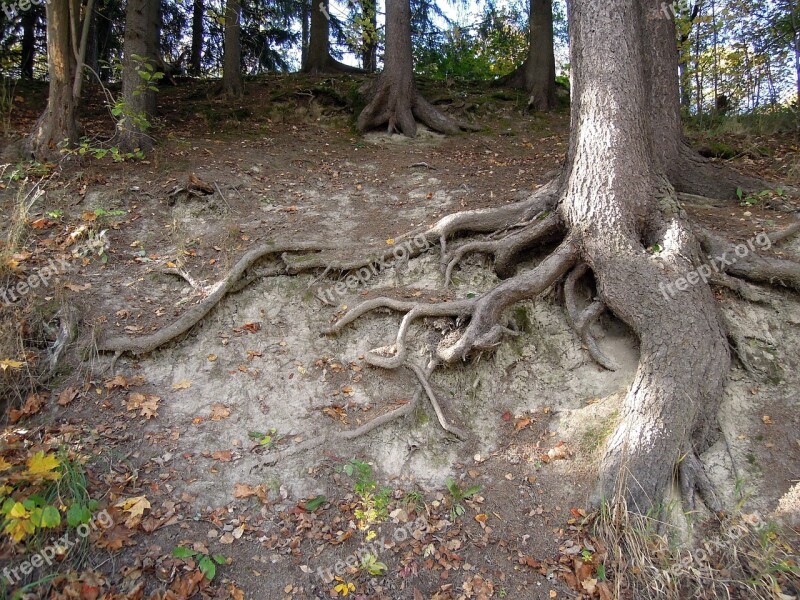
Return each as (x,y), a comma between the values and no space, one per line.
(142,30)
(198,13)
(29,18)
(318,58)
(58,127)
(617,201)
(369,36)
(394,98)
(537,75)
(103,24)
(305,15)
(232,62)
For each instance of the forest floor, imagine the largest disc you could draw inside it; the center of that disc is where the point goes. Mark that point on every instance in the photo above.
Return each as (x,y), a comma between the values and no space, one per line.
(177,445)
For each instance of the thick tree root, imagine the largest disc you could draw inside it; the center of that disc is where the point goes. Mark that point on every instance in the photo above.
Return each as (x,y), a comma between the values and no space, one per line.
(506,248)
(391,357)
(484,330)
(581,320)
(694,481)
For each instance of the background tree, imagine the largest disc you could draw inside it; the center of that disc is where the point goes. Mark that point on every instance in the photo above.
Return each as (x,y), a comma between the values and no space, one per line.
(537,75)
(232,67)
(394,99)
(198,30)
(58,125)
(142,34)
(318,57)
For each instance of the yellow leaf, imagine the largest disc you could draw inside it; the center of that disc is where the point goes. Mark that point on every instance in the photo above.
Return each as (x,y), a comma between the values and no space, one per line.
(185,384)
(42,465)
(134,506)
(390,242)
(7,363)
(18,529)
(4,464)
(18,511)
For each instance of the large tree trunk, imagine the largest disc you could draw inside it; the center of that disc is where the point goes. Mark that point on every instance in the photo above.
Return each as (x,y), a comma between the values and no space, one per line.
(395,101)
(29,18)
(318,58)
(537,75)
(58,127)
(618,200)
(142,32)
(196,58)
(232,62)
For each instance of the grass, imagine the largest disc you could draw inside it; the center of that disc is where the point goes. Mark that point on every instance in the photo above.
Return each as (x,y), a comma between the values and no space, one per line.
(739,556)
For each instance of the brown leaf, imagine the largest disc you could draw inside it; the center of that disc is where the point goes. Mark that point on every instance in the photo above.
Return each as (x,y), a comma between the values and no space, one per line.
(522,423)
(219,411)
(243,490)
(66,396)
(32,406)
(147,404)
(223,455)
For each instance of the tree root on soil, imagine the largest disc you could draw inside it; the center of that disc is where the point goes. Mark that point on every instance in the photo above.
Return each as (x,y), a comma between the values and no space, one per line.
(520,227)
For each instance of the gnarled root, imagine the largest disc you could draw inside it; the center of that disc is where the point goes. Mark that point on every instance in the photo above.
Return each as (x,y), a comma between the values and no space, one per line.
(581,320)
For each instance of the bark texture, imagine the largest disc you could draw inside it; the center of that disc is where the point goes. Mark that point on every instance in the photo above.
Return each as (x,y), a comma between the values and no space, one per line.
(232,61)
(58,127)
(142,33)
(537,75)
(394,100)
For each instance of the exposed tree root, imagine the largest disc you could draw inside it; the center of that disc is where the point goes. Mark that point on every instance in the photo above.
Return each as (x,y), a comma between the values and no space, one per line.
(386,418)
(693,481)
(581,320)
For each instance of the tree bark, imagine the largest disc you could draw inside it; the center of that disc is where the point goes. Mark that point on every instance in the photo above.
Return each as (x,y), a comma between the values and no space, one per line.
(537,74)
(617,200)
(142,32)
(58,127)
(232,62)
(196,58)
(395,101)
(318,58)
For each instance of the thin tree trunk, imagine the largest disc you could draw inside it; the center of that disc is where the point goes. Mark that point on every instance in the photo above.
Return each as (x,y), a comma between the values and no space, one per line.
(142,31)
(58,127)
(195,63)
(29,18)
(77,86)
(232,62)
(369,36)
(305,15)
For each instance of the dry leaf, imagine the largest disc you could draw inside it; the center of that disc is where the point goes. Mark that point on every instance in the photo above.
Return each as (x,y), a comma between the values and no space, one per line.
(184,384)
(219,411)
(67,396)
(77,288)
(32,406)
(146,403)
(223,455)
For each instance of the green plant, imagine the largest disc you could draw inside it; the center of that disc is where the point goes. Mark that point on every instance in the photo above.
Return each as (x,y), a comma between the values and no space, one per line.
(207,563)
(458,495)
(756,198)
(371,565)
(264,439)
(373,502)
(7,97)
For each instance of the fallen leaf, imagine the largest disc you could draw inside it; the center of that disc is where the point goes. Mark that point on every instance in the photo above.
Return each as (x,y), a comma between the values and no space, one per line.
(223,455)
(146,403)
(66,396)
(184,384)
(77,288)
(135,508)
(32,406)
(219,411)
